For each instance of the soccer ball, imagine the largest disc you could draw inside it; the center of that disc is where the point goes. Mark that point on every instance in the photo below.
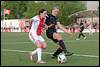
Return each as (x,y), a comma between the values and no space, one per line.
(62,58)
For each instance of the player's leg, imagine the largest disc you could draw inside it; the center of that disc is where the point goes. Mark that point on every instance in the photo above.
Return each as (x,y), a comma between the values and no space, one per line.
(41,44)
(37,41)
(78,37)
(61,44)
(39,51)
(83,34)
(59,50)
(80,34)
(31,37)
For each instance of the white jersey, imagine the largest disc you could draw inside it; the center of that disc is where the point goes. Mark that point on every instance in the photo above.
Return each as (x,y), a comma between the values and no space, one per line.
(36,26)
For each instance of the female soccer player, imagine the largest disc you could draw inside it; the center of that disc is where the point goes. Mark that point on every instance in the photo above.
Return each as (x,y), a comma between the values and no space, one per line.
(35,35)
(52,22)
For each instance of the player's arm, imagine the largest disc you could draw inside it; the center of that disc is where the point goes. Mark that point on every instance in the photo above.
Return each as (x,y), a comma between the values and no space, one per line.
(30,23)
(50,25)
(62,27)
(45,27)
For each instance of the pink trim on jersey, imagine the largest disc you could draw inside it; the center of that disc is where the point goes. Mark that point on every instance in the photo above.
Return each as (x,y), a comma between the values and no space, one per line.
(32,36)
(30,25)
(39,29)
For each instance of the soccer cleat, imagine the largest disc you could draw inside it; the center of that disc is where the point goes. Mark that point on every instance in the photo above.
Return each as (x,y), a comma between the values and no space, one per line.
(69,54)
(84,38)
(77,39)
(40,62)
(54,57)
(30,56)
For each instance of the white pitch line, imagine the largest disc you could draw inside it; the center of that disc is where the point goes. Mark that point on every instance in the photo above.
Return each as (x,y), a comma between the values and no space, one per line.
(93,56)
(16,42)
(86,55)
(49,41)
(14,50)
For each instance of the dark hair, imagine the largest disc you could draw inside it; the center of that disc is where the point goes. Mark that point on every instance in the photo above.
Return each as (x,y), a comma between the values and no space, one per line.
(81,23)
(41,11)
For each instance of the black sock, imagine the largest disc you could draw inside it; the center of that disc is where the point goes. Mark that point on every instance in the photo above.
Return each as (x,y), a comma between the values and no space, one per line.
(83,35)
(79,35)
(58,51)
(62,45)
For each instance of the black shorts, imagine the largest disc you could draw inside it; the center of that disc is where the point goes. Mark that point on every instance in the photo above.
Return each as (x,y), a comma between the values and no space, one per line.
(50,36)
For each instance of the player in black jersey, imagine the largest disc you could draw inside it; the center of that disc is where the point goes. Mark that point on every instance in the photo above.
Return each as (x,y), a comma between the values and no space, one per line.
(81,31)
(52,22)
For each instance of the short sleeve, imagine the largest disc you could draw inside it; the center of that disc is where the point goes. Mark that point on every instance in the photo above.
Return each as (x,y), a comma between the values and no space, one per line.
(34,18)
(51,20)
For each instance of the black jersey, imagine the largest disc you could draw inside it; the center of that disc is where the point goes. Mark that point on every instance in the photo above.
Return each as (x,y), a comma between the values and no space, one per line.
(50,19)
(81,27)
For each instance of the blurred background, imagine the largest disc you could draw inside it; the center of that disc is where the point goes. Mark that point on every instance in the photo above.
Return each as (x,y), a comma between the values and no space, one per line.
(15,15)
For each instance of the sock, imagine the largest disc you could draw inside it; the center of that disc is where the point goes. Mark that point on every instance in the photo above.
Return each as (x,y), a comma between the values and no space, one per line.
(58,51)
(62,45)
(39,53)
(33,52)
(83,35)
(79,35)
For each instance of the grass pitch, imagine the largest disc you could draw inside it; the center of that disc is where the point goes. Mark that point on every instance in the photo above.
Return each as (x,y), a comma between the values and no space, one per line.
(15,47)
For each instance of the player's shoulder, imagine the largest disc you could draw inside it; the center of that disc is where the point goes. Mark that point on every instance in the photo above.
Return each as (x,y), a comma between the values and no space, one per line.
(49,15)
(35,17)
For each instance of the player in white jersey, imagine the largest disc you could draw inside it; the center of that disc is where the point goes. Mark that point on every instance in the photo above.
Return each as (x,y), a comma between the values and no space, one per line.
(37,22)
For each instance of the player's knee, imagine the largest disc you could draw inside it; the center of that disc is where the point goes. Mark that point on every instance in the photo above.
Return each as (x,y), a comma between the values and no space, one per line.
(43,46)
(61,44)
(57,36)
(38,44)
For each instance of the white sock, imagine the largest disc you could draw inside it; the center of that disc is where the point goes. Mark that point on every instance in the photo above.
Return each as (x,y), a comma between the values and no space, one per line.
(33,52)
(39,53)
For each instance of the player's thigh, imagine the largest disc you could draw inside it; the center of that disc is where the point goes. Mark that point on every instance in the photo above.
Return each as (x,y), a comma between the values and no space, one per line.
(40,42)
(31,37)
(57,36)
(43,43)
(35,38)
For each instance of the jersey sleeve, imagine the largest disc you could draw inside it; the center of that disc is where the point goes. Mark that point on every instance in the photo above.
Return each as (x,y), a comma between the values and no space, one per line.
(33,18)
(51,20)
(48,21)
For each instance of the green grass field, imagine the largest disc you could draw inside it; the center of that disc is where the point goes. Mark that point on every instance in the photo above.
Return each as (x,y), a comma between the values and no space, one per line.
(15,47)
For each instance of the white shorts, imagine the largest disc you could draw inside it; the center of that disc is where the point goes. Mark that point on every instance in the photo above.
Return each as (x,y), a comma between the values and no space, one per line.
(34,37)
